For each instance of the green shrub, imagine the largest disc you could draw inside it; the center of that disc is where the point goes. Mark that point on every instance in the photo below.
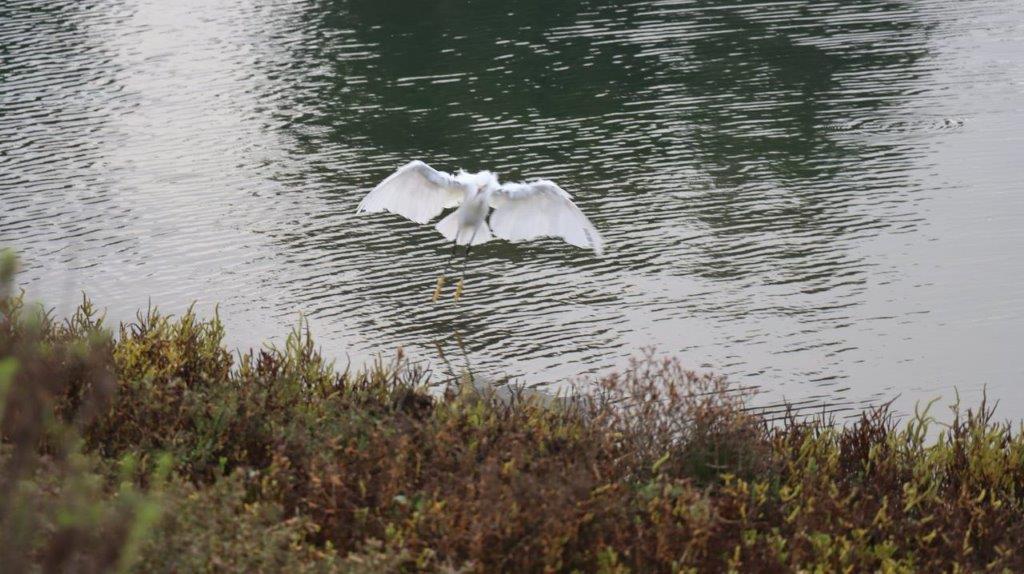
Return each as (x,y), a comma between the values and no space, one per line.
(158,450)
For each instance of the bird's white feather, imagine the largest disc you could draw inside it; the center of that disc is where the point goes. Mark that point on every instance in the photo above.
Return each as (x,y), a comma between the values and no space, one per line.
(540,208)
(451,227)
(416,191)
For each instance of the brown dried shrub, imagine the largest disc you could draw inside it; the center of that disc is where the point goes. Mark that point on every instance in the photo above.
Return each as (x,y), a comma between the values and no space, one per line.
(157,450)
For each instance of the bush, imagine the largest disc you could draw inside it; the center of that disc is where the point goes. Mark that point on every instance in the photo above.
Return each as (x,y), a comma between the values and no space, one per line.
(157,449)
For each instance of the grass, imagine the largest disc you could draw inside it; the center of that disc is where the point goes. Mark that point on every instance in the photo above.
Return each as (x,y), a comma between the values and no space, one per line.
(150,447)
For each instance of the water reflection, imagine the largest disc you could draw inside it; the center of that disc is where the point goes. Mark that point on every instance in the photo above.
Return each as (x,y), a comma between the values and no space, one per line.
(763,174)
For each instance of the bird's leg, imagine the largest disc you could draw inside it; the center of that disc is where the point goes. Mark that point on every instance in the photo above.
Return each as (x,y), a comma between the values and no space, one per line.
(462,275)
(447,265)
(451,257)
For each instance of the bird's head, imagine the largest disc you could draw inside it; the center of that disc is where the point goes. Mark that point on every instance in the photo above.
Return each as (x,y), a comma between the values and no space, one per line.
(479,182)
(485,181)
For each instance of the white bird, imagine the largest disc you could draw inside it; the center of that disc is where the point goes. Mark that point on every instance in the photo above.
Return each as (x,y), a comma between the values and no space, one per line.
(522,211)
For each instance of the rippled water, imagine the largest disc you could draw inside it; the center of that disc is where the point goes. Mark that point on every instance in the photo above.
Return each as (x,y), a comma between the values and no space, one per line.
(822,199)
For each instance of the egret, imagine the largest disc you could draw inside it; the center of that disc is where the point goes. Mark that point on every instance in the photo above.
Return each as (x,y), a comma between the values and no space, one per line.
(522,211)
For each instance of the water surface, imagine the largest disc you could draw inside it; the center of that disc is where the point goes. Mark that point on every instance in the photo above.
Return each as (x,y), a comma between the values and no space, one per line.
(821,199)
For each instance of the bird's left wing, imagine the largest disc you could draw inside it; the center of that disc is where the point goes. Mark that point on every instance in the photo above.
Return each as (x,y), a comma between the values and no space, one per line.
(416,191)
(541,208)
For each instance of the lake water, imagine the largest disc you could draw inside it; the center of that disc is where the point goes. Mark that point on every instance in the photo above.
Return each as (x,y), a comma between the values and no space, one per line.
(820,199)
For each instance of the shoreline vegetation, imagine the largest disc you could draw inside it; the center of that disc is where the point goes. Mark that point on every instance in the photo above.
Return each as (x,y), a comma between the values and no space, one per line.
(150,447)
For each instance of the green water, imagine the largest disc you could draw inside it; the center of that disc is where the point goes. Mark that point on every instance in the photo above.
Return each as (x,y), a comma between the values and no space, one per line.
(819,199)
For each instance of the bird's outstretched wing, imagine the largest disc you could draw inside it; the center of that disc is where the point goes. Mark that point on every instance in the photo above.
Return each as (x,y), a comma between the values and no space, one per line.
(416,191)
(541,208)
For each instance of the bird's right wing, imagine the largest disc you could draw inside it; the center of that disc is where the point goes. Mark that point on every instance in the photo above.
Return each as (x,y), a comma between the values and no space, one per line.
(416,191)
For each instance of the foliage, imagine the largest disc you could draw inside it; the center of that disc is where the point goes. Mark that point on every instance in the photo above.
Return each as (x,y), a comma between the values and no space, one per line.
(156,449)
